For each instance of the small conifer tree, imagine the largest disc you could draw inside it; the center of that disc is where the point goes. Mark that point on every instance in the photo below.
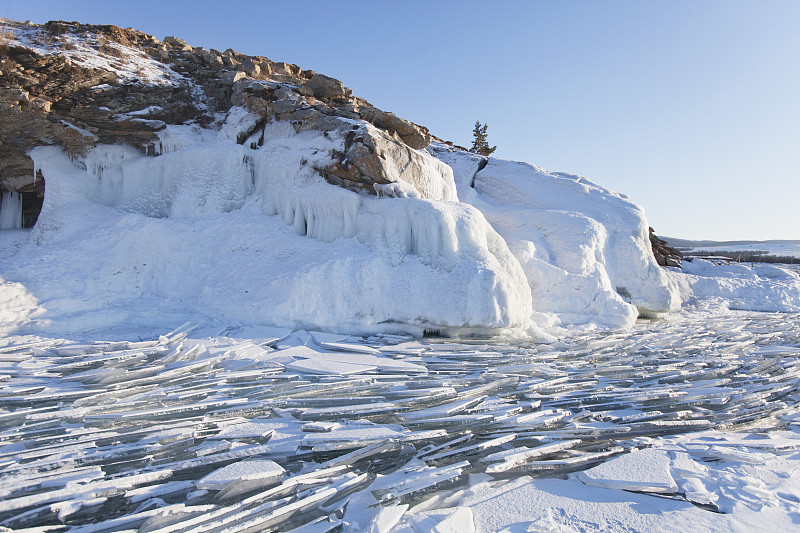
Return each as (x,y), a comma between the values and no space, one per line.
(479,144)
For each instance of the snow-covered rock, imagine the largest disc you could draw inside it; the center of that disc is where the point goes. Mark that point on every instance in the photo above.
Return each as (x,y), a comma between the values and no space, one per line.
(585,249)
(177,182)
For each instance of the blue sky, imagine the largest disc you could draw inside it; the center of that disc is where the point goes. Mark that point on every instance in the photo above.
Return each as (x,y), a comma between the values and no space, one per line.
(690,107)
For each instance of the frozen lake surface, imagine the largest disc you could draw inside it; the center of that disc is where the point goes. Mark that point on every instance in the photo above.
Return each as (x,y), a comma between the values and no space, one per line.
(692,423)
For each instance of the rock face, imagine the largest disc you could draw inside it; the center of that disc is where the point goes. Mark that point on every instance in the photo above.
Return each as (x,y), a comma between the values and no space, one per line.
(77,85)
(665,254)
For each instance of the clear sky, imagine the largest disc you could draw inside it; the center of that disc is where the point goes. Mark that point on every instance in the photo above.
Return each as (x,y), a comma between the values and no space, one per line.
(690,107)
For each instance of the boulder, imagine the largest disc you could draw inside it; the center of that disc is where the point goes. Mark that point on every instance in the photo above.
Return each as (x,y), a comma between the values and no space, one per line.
(229,78)
(323,86)
(178,44)
(375,157)
(415,136)
(252,69)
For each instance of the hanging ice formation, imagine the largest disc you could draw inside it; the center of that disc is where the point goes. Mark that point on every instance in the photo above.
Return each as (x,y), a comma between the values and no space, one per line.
(11,210)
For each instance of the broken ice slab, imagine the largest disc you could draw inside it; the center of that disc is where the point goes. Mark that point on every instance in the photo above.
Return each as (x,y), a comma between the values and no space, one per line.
(323,524)
(493,387)
(228,516)
(284,513)
(266,472)
(16,484)
(451,421)
(178,334)
(590,433)
(152,491)
(204,462)
(418,398)
(414,483)
(665,427)
(746,456)
(447,409)
(777,350)
(645,470)
(431,448)
(349,437)
(350,411)
(473,449)
(108,487)
(247,484)
(577,461)
(318,366)
(522,455)
(696,491)
(386,364)
(238,518)
(260,335)
(15,357)
(537,419)
(321,336)
(773,442)
(41,345)
(346,347)
(126,523)
(406,348)
(164,413)
(320,427)
(537,384)
(349,459)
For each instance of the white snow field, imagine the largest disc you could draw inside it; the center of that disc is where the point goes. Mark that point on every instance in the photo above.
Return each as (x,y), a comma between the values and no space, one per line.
(672,425)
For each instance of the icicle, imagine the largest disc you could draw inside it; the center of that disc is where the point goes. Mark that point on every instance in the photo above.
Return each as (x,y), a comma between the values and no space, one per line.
(11,211)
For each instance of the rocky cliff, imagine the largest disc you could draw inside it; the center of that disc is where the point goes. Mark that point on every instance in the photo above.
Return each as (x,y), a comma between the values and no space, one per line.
(78,86)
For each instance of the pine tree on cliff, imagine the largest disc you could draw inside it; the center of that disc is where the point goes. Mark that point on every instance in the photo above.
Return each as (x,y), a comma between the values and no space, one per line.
(480,145)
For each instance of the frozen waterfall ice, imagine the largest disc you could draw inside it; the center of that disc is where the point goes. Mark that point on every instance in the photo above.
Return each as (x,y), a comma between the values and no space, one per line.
(11,210)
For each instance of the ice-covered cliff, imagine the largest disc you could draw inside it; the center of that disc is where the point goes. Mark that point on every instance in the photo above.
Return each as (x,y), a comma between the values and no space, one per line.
(168,182)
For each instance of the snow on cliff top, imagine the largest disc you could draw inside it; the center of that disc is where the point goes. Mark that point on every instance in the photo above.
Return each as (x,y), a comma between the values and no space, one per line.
(95,52)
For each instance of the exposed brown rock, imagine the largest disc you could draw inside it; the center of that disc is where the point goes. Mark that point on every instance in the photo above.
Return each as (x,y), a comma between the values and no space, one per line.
(326,87)
(665,254)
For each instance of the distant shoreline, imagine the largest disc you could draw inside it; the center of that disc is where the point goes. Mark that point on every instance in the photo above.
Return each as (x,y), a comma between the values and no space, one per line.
(773,251)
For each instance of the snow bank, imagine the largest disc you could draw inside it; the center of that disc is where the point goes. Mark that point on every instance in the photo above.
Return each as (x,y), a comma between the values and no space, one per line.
(738,287)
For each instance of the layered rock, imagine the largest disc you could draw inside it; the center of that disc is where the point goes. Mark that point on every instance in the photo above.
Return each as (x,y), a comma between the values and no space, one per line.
(665,254)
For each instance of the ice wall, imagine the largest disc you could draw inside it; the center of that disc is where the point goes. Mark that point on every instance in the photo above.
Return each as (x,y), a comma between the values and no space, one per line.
(215,229)
(11,210)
